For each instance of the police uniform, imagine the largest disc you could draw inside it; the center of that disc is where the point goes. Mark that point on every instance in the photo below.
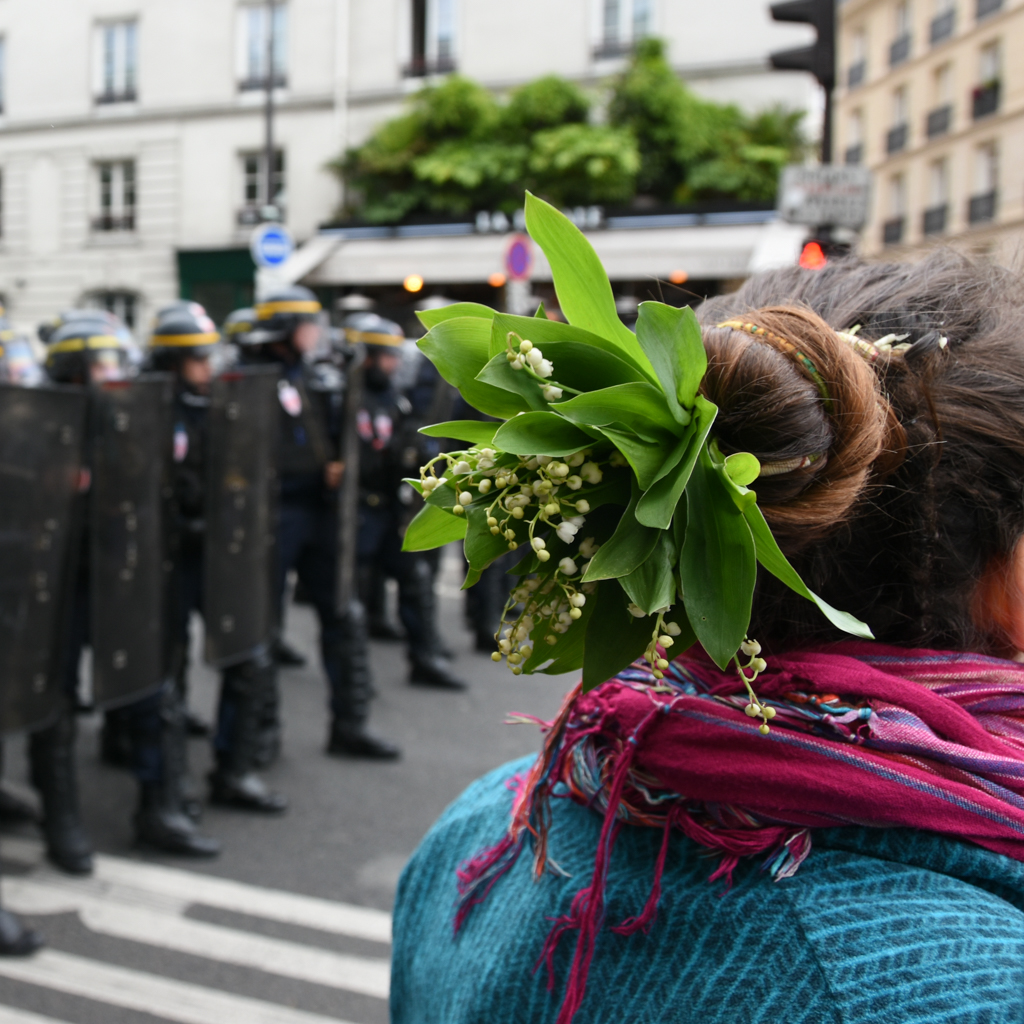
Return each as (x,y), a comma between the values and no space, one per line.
(385,457)
(310,417)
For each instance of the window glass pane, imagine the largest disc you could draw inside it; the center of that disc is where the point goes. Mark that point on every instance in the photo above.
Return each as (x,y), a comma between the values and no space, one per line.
(106,187)
(257,42)
(280,40)
(129,56)
(128,186)
(611,20)
(108,58)
(3,71)
(641,18)
(445,32)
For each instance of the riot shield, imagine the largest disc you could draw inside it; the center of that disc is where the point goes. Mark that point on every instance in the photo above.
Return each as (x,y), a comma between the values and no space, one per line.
(131,436)
(348,495)
(41,433)
(238,603)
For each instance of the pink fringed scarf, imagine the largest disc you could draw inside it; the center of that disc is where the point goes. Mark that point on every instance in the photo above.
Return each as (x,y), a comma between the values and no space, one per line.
(863,735)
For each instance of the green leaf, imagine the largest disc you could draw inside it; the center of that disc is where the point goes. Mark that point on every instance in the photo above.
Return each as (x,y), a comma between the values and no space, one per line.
(541,433)
(629,546)
(653,585)
(459,350)
(482,547)
(770,555)
(646,457)
(742,468)
(551,335)
(642,406)
(615,639)
(443,497)
(499,373)
(717,566)
(581,284)
(432,528)
(476,432)
(657,506)
(432,317)
(671,339)
(540,314)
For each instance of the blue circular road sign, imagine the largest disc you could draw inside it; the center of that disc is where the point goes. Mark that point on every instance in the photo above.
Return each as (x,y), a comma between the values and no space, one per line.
(271,245)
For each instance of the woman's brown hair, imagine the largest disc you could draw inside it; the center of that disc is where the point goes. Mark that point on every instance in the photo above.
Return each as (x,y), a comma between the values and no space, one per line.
(922,488)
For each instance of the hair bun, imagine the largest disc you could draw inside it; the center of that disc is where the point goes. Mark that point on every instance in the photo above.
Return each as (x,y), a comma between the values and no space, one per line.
(795,394)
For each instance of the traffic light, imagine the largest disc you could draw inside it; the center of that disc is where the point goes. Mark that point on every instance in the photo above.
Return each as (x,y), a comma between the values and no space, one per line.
(817,251)
(819,58)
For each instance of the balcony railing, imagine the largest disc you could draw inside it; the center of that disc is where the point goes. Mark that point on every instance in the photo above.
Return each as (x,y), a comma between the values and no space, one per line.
(987,7)
(127,95)
(982,208)
(934,220)
(899,50)
(253,83)
(892,231)
(939,121)
(985,100)
(854,154)
(422,67)
(856,74)
(256,213)
(114,222)
(942,27)
(896,138)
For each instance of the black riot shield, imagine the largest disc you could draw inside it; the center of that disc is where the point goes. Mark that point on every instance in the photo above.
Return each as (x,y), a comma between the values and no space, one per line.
(131,436)
(348,496)
(238,604)
(41,433)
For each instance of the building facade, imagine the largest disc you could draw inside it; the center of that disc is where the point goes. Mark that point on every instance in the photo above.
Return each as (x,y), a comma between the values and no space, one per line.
(132,163)
(931,99)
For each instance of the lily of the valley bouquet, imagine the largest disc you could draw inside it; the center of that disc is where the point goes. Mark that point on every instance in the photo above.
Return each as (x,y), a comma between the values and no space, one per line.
(639,536)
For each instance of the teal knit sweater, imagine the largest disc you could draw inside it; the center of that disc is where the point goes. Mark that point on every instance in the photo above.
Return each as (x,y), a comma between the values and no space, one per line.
(877,926)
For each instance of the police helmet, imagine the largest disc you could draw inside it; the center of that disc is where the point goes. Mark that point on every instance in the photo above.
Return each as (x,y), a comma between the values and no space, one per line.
(238,325)
(182,306)
(18,363)
(373,331)
(183,330)
(89,349)
(280,313)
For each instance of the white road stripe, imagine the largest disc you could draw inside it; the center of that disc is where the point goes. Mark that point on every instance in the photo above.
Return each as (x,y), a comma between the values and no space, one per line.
(182,888)
(176,1001)
(366,975)
(9,1015)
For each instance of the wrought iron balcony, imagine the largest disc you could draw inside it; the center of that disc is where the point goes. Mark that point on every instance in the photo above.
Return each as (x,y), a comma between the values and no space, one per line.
(892,231)
(939,120)
(896,138)
(985,100)
(934,220)
(982,208)
(854,154)
(127,95)
(253,83)
(899,50)
(423,67)
(114,222)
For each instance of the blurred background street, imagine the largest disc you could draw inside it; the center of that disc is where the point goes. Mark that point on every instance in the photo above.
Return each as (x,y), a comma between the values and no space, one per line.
(351,826)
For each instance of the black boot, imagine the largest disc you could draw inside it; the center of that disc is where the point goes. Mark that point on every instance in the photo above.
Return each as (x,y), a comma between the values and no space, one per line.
(434,672)
(162,824)
(14,810)
(267,746)
(233,783)
(15,938)
(286,656)
(195,726)
(351,739)
(427,665)
(52,757)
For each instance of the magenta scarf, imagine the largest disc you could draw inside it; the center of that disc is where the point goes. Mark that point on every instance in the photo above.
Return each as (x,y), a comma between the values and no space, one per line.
(864,734)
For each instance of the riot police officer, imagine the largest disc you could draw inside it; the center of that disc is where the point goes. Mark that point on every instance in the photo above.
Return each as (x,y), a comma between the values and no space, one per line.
(384,459)
(183,343)
(83,352)
(287,334)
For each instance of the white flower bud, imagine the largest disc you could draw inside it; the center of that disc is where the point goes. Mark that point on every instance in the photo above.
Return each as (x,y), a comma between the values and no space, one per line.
(759,664)
(576,521)
(583,505)
(525,345)
(750,648)
(504,645)
(751,710)
(636,611)
(574,483)
(484,463)
(429,484)
(465,498)
(461,468)
(566,532)
(543,556)
(517,512)
(591,472)
(538,543)
(458,510)
(534,356)
(577,459)
(484,486)
(575,613)
(577,600)
(589,548)
(517,364)
(551,393)
(551,639)
(552,509)
(544,368)
(495,656)
(558,469)
(665,640)
(672,628)
(500,482)
(513,479)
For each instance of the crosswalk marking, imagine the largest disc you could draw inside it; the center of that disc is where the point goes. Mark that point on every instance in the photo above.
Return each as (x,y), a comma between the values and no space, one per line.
(365,975)
(187,887)
(178,1001)
(8,1015)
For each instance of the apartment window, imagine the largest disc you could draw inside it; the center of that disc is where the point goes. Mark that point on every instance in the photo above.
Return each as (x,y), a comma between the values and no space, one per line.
(892,229)
(985,96)
(115,186)
(986,7)
(943,23)
(896,137)
(934,221)
(855,137)
(899,49)
(122,304)
(857,71)
(254,186)
(982,205)
(940,117)
(433,38)
(262,27)
(116,67)
(622,23)
(2,183)
(3,74)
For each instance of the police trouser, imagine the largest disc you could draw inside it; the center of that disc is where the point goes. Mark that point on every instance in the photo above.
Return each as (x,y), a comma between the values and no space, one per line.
(307,541)
(379,551)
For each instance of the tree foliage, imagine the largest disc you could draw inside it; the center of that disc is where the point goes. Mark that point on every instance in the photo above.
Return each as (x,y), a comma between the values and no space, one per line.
(457,149)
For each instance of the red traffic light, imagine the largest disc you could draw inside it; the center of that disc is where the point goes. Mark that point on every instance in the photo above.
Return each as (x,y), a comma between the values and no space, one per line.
(813,256)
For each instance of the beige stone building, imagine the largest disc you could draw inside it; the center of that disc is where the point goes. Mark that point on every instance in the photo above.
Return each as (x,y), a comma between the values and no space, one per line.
(931,99)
